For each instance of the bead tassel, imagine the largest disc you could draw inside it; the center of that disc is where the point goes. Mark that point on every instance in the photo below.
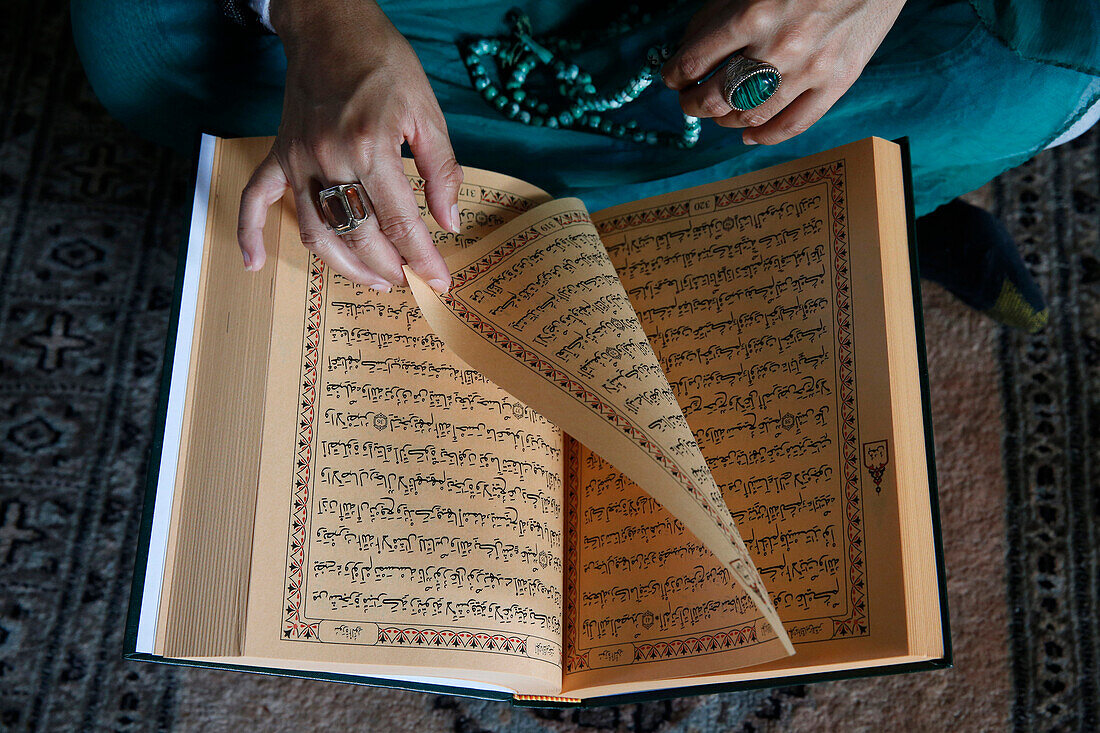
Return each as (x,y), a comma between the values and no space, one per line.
(521,53)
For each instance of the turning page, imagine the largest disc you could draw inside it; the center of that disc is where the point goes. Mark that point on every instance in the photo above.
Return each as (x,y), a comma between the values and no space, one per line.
(763,301)
(538,308)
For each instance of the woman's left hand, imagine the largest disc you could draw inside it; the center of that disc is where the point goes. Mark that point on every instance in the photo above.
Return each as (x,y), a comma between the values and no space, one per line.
(819,46)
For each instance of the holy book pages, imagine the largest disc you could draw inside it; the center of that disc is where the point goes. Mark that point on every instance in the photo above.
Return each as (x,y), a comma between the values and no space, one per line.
(423,532)
(415,518)
(538,308)
(745,292)
(763,299)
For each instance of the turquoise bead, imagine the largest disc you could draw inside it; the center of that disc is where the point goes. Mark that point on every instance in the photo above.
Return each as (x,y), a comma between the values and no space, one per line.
(755,90)
(517,56)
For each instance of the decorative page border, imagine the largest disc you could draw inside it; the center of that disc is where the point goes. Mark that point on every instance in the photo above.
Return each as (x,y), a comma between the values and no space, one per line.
(855,622)
(493,196)
(296,626)
(452,639)
(575,660)
(692,646)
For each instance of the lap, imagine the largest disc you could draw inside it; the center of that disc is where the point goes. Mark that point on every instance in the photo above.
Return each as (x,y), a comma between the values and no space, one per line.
(173,68)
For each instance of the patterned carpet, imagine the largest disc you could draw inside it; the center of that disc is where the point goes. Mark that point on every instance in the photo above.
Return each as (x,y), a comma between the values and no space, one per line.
(90,219)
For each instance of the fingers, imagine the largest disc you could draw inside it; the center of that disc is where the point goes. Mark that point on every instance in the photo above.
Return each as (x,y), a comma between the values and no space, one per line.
(711,39)
(370,246)
(324,243)
(435,160)
(372,252)
(795,118)
(820,48)
(773,105)
(267,186)
(399,219)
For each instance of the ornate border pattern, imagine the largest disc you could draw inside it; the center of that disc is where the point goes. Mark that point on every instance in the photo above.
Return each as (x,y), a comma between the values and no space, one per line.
(690,646)
(574,661)
(493,196)
(394,636)
(855,623)
(643,218)
(294,625)
(504,199)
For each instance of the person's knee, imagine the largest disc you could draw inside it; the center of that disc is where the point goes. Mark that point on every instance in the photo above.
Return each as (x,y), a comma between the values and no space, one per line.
(118,43)
(169,69)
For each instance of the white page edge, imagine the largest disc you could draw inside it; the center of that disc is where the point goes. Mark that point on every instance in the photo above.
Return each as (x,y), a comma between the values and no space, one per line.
(177,394)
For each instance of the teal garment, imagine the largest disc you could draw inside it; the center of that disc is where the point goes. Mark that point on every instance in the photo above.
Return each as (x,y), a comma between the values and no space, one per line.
(971,106)
(1061,32)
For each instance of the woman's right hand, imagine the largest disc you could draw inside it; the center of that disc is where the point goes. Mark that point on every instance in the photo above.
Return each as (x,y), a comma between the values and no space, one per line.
(355,91)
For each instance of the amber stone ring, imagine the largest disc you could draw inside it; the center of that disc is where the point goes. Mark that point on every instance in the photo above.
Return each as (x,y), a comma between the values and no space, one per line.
(345,207)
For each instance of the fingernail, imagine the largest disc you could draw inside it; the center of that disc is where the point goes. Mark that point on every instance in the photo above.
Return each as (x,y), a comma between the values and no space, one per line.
(749,141)
(381,287)
(440,286)
(247,260)
(454,218)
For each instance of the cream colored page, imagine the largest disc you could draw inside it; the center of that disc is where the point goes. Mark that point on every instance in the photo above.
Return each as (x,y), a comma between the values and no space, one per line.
(538,308)
(411,510)
(745,293)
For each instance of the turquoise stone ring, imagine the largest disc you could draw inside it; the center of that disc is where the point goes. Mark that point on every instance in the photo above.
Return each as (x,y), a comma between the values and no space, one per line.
(749,82)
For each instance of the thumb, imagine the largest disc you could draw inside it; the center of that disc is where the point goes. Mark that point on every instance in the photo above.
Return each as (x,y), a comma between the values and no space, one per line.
(267,186)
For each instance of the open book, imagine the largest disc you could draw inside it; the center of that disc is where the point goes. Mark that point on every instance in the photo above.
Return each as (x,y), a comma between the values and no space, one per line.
(679,443)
